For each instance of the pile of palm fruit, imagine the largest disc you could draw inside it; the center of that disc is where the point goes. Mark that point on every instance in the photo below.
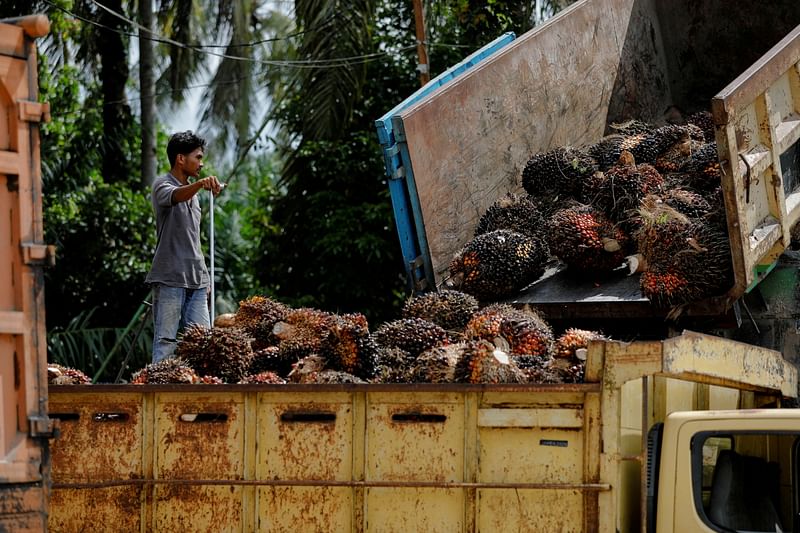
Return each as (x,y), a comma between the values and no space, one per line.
(442,337)
(644,192)
(645,199)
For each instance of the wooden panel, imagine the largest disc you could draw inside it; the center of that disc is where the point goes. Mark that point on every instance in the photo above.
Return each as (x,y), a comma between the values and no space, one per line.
(13,322)
(12,40)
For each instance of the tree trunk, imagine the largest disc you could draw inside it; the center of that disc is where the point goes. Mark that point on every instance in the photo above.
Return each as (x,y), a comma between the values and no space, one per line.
(113,76)
(147,89)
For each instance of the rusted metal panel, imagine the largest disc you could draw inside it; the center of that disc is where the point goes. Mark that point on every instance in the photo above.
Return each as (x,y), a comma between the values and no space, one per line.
(407,509)
(435,458)
(305,509)
(22,507)
(758,120)
(469,140)
(305,437)
(108,509)
(720,361)
(198,436)
(536,454)
(101,440)
(530,511)
(415,437)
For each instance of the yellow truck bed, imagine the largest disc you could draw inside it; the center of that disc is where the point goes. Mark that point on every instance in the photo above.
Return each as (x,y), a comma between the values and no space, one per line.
(428,458)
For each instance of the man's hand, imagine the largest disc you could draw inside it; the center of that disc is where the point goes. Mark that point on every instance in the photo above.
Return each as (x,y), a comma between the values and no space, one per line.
(210,183)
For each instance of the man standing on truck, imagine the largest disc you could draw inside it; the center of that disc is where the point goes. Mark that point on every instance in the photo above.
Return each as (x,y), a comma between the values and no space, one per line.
(178,275)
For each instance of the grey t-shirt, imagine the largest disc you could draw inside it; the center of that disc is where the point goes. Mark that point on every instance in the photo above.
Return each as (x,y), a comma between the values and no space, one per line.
(178,261)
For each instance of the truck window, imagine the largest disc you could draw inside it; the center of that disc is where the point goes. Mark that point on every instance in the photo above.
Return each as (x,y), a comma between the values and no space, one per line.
(746,481)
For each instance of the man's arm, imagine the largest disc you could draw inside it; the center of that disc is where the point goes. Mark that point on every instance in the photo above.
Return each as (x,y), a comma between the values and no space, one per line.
(185,192)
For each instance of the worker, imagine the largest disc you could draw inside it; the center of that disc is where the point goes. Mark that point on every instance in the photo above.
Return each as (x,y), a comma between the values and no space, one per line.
(178,275)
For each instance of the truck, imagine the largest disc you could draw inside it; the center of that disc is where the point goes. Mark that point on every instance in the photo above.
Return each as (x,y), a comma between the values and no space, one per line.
(688,432)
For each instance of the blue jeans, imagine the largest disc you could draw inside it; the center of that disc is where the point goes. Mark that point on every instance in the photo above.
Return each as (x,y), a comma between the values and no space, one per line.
(174,308)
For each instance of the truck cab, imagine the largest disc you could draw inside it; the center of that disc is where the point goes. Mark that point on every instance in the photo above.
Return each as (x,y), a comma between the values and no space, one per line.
(730,470)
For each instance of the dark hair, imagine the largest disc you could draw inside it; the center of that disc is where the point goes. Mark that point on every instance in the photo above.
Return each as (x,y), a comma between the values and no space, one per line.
(183,142)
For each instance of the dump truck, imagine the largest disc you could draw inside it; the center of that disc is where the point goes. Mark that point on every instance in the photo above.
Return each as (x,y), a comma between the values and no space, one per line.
(461,142)
(689,433)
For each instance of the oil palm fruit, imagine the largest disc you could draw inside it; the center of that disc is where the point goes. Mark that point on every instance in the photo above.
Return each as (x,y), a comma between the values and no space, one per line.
(170,370)
(498,264)
(448,309)
(557,174)
(586,240)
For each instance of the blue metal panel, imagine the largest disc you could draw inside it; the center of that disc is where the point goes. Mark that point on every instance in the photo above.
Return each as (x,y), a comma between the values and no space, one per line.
(407,215)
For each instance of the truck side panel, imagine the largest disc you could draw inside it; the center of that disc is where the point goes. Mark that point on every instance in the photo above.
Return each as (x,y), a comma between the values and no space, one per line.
(23,385)
(380,457)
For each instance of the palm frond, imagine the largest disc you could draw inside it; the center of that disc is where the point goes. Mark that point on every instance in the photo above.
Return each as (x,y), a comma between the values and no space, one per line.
(82,346)
(335,30)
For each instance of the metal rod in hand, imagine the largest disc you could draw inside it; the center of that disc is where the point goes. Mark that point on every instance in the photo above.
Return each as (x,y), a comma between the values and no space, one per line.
(211,239)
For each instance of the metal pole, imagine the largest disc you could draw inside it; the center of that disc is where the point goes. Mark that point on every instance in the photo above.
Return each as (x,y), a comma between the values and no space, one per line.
(211,238)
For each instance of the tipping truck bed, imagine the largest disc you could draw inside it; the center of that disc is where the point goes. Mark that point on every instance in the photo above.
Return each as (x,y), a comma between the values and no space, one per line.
(454,148)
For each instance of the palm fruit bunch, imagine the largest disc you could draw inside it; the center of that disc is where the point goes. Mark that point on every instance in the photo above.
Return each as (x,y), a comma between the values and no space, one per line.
(412,335)
(210,380)
(702,171)
(688,259)
(557,174)
(170,370)
(64,375)
(686,202)
(437,365)
(570,367)
(271,359)
(606,152)
(302,332)
(530,336)
(515,212)
(263,377)
(313,369)
(257,316)
(632,127)
(393,365)
(674,157)
(657,142)
(482,362)
(347,345)
(705,121)
(539,370)
(662,233)
(645,147)
(497,264)
(619,190)
(448,309)
(220,352)
(574,339)
(586,241)
(485,323)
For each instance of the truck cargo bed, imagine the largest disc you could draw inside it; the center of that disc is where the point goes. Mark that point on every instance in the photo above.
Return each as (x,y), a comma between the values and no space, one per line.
(364,457)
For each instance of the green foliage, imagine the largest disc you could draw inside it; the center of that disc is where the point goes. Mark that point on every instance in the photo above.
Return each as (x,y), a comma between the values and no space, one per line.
(239,227)
(105,240)
(81,345)
(333,243)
